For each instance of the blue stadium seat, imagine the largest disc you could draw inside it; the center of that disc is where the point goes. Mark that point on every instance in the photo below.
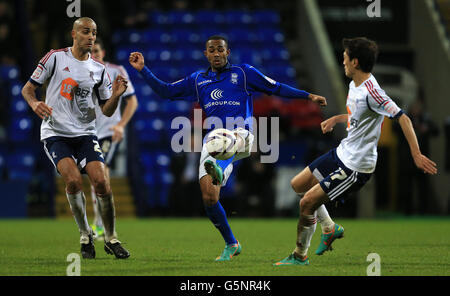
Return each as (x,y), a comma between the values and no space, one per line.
(185,35)
(19,107)
(264,17)
(238,18)
(2,163)
(157,36)
(237,35)
(150,131)
(209,18)
(181,18)
(247,55)
(8,73)
(20,129)
(20,164)
(275,53)
(160,18)
(270,35)
(123,53)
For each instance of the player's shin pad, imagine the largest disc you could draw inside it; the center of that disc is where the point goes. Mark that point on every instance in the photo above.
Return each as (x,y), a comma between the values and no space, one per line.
(108,213)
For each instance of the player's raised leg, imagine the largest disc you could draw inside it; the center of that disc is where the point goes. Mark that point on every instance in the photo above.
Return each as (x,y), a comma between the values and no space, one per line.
(77,201)
(217,215)
(97,176)
(301,183)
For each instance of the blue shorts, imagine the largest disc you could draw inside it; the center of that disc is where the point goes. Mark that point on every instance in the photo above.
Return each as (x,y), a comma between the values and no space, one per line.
(335,178)
(109,149)
(83,150)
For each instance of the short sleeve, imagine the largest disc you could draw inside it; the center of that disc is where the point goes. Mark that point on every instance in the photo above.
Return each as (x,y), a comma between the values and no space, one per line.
(104,88)
(44,69)
(379,102)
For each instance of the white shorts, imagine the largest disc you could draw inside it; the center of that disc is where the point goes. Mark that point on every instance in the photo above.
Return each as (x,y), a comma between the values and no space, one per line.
(246,135)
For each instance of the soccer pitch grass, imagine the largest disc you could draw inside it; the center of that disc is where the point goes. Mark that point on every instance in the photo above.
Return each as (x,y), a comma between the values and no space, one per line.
(188,247)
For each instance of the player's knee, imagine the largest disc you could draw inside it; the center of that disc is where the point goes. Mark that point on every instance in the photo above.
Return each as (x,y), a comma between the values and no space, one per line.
(101,185)
(294,185)
(74,185)
(306,203)
(209,198)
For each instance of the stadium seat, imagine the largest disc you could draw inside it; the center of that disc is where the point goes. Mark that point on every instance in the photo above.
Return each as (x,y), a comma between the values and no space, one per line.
(20,129)
(270,35)
(209,18)
(2,163)
(18,107)
(20,165)
(8,73)
(275,54)
(238,18)
(185,35)
(150,131)
(160,18)
(181,18)
(264,17)
(240,36)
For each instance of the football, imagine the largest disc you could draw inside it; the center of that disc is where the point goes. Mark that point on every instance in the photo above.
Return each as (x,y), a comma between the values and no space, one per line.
(221,143)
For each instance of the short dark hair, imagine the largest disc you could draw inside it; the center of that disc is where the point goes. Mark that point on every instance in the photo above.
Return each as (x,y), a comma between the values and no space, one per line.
(363,49)
(218,37)
(99,41)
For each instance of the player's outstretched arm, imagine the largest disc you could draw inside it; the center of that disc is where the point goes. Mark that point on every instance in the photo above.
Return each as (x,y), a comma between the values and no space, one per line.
(40,108)
(182,89)
(422,162)
(328,125)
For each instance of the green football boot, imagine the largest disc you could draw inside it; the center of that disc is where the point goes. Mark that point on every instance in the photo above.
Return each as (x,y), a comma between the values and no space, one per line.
(328,238)
(229,252)
(99,232)
(214,171)
(292,260)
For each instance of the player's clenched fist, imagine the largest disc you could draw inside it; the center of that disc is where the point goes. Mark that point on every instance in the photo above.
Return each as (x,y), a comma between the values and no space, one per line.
(136,60)
(119,86)
(41,109)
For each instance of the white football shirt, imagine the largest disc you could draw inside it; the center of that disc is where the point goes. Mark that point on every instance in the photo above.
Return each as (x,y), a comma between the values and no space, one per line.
(70,92)
(104,123)
(367,105)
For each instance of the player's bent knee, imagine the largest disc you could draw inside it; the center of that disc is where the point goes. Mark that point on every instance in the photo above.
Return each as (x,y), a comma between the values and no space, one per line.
(73,185)
(101,186)
(306,203)
(209,198)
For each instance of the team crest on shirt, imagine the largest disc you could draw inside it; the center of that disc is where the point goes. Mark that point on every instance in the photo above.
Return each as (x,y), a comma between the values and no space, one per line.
(234,78)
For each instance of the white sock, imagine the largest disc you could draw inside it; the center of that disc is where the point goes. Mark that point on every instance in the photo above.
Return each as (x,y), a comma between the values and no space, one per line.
(108,214)
(77,204)
(96,207)
(324,219)
(306,234)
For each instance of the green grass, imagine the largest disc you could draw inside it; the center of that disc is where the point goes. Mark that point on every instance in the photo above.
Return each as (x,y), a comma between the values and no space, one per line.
(188,247)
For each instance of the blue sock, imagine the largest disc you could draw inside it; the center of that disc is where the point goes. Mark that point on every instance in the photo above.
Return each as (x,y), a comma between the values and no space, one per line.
(217,215)
(224,163)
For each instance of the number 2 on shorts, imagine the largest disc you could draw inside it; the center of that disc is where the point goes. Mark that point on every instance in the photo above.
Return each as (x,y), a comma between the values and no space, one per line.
(339,174)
